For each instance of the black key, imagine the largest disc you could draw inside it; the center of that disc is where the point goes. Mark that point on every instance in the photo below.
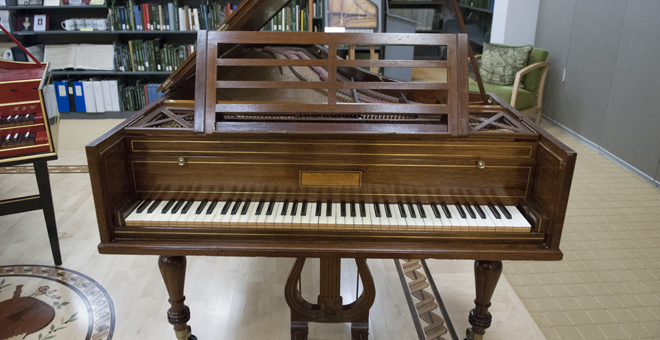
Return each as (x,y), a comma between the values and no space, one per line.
(271,206)
(237,205)
(402,210)
(178,205)
(422,214)
(187,206)
(445,209)
(246,206)
(412,210)
(494,211)
(285,205)
(353,209)
(460,210)
(225,208)
(506,212)
(212,206)
(470,211)
(480,211)
(201,206)
(377,209)
(153,206)
(294,208)
(435,210)
(167,206)
(318,208)
(388,212)
(363,209)
(328,208)
(343,208)
(143,205)
(303,209)
(260,207)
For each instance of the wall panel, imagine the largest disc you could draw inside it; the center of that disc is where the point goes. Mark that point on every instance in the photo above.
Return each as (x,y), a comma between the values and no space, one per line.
(553,34)
(632,126)
(590,66)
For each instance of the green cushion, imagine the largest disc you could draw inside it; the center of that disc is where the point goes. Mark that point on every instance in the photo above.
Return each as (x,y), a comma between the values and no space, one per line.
(532,80)
(500,63)
(526,99)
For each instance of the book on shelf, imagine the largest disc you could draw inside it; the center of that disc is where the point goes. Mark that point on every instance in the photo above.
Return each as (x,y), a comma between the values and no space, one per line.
(79,56)
(171,17)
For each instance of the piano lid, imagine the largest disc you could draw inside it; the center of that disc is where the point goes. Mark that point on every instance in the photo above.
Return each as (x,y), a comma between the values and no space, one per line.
(252,15)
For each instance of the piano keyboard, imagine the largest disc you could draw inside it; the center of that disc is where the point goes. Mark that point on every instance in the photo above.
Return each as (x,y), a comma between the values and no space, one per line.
(328,215)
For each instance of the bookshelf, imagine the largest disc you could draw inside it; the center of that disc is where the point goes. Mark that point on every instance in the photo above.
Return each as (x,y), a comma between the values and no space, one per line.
(118,35)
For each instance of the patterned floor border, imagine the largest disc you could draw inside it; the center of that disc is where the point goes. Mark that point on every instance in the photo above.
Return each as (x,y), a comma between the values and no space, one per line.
(48,302)
(53,169)
(416,281)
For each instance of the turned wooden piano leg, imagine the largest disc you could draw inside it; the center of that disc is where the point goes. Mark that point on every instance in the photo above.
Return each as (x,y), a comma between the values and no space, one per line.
(486,275)
(173,270)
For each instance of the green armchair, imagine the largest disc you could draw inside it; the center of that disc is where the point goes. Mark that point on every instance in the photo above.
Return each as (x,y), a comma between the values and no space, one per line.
(527,98)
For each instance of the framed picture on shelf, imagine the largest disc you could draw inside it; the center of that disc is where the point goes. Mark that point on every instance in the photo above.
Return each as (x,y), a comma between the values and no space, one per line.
(41,22)
(25,23)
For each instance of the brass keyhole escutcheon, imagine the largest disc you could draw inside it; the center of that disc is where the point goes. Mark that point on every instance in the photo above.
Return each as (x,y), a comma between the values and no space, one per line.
(181,161)
(481,165)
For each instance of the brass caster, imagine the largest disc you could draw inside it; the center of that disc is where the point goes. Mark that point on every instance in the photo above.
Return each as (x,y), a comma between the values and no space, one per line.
(471,335)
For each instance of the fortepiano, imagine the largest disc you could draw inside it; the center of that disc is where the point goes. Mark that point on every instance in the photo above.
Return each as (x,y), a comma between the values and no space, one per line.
(267,144)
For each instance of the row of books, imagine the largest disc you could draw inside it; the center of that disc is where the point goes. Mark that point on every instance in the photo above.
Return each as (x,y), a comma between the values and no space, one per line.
(167,16)
(137,96)
(149,55)
(98,96)
(294,17)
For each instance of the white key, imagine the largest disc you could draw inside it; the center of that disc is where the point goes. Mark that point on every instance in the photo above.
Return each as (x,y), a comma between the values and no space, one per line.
(523,224)
(243,219)
(375,221)
(233,219)
(366,220)
(446,221)
(279,218)
(134,218)
(358,220)
(208,218)
(482,223)
(399,222)
(261,218)
(305,220)
(295,221)
(349,221)
(416,222)
(326,222)
(270,219)
(199,218)
(253,217)
(498,222)
(313,219)
(288,219)
(340,220)
(160,219)
(390,222)
(171,219)
(512,224)
(458,223)
(432,223)
(226,218)
(152,219)
(383,221)
(183,218)
(216,222)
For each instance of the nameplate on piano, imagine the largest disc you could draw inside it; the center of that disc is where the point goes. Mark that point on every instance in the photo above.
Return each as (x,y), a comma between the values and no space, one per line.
(331,179)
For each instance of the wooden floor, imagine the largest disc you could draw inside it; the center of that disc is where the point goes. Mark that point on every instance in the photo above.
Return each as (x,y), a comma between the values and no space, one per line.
(230,298)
